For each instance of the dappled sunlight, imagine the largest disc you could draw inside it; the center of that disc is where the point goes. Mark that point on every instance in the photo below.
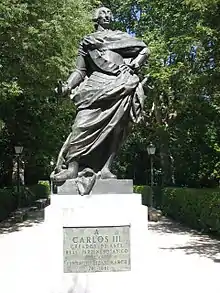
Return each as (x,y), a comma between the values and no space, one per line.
(176,237)
(34,218)
(169,226)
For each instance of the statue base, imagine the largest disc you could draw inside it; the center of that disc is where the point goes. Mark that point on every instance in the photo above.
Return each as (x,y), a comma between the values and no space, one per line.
(98,242)
(101,186)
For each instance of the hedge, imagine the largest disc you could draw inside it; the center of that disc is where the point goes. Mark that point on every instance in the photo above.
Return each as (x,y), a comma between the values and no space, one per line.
(145,191)
(8,202)
(197,208)
(9,198)
(41,190)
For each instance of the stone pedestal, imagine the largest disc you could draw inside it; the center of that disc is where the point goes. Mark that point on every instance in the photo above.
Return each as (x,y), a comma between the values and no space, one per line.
(110,230)
(110,186)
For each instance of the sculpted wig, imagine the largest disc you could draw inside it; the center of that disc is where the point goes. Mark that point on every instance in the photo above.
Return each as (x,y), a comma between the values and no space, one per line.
(95,16)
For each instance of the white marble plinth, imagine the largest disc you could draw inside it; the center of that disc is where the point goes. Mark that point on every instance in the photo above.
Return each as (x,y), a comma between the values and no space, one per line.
(91,211)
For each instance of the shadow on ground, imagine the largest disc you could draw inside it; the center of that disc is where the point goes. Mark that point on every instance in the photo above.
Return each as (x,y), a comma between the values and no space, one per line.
(198,243)
(34,217)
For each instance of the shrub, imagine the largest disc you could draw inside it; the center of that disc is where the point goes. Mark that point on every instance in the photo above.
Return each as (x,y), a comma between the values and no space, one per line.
(157,196)
(8,202)
(198,208)
(145,192)
(46,185)
(10,199)
(33,193)
(41,190)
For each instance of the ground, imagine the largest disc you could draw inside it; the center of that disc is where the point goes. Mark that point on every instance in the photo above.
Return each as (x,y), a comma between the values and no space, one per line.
(181,260)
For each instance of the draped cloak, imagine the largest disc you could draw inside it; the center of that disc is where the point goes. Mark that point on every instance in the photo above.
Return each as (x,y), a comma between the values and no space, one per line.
(106,100)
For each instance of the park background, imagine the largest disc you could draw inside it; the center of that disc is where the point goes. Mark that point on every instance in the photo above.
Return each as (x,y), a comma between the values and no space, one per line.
(39,43)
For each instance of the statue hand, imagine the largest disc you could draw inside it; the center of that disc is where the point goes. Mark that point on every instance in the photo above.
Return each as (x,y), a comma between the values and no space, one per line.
(62,89)
(125,68)
(135,66)
(57,169)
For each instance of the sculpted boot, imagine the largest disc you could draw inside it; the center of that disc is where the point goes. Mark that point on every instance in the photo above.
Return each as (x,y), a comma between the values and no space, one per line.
(70,173)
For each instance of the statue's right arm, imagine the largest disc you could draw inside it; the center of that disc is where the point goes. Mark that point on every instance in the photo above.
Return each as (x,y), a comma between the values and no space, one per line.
(78,74)
(76,77)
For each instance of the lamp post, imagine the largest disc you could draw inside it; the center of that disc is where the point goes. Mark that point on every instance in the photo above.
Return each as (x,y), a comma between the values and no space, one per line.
(151,152)
(18,151)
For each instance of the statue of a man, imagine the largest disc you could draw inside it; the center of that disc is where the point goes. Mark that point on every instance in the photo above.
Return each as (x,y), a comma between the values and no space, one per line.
(108,95)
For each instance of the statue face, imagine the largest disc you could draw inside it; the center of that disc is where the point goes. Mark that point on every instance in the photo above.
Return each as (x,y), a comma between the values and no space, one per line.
(104,17)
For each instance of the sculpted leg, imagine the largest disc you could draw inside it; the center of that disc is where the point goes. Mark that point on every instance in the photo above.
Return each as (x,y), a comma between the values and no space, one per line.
(61,160)
(117,139)
(105,172)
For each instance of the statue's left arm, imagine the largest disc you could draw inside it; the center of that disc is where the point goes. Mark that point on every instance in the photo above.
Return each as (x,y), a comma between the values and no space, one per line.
(140,59)
(138,101)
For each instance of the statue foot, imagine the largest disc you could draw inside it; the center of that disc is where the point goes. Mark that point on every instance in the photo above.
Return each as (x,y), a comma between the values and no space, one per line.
(107,174)
(64,175)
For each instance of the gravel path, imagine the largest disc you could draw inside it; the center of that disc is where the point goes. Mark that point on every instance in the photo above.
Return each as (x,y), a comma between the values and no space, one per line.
(181,260)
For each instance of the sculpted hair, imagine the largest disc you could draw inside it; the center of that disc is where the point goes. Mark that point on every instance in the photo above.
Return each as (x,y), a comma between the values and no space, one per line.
(95,16)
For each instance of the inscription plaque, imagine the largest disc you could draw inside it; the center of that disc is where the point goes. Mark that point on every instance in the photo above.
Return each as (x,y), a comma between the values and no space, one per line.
(96,249)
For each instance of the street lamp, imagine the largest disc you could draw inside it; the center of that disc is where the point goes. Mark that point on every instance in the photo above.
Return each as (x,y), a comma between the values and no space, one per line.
(18,151)
(151,152)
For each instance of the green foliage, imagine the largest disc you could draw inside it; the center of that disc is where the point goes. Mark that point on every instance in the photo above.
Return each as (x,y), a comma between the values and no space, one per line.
(29,194)
(9,198)
(40,190)
(145,191)
(8,202)
(157,196)
(47,186)
(182,107)
(198,208)
(39,43)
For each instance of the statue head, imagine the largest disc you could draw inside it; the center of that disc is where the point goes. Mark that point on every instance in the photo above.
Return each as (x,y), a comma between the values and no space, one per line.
(103,17)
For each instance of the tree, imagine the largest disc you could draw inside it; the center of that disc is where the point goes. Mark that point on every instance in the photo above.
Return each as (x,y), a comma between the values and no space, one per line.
(184,68)
(39,46)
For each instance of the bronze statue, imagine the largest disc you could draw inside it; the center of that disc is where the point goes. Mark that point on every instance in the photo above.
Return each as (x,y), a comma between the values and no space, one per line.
(108,95)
